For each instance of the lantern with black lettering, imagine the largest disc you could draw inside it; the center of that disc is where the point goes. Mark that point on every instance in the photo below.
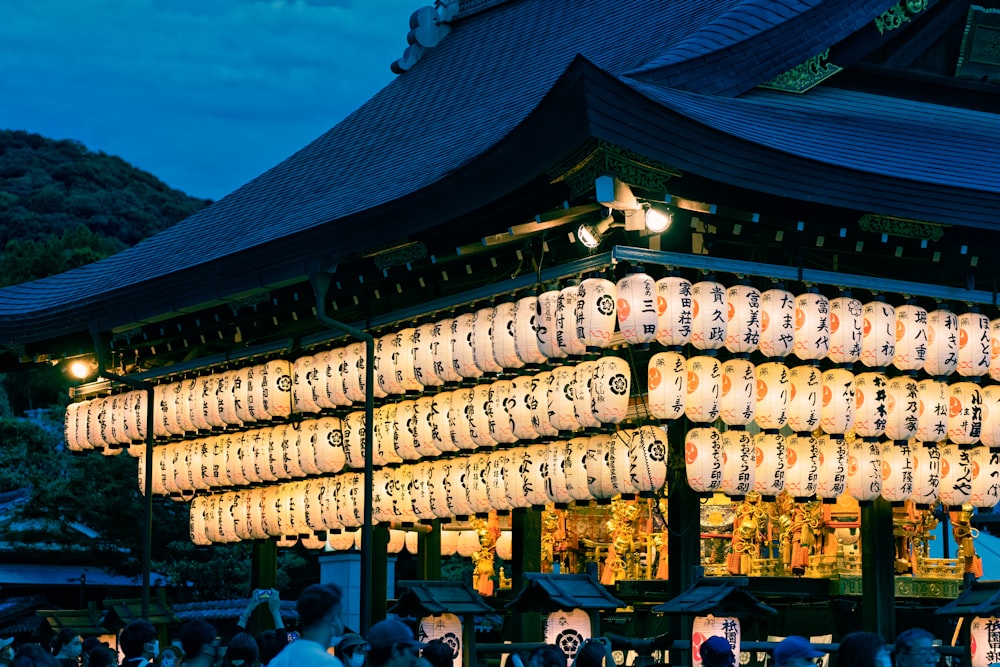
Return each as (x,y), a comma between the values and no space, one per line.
(636,307)
(846,329)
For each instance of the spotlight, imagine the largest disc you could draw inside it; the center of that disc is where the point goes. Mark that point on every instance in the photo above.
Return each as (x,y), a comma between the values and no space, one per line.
(591,235)
(81,368)
(656,220)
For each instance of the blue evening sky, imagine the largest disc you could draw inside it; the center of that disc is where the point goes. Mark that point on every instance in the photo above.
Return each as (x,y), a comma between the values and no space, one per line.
(204,94)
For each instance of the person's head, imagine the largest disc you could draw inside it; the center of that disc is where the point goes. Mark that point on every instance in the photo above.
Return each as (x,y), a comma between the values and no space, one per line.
(915,648)
(199,640)
(591,654)
(795,651)
(439,653)
(6,650)
(102,656)
(352,649)
(546,655)
(716,651)
(319,613)
(863,649)
(67,644)
(170,656)
(392,644)
(241,651)
(134,639)
(267,645)
(33,655)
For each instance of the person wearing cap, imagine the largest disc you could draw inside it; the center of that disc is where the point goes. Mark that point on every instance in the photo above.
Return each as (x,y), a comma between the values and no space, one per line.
(6,650)
(716,651)
(392,644)
(319,622)
(795,651)
(352,649)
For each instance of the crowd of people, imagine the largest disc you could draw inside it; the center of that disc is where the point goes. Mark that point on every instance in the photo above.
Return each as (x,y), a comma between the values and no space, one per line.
(322,640)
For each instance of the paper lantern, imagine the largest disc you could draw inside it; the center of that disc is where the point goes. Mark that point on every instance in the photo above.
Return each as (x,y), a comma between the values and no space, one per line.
(647,458)
(183,399)
(995,349)
(326,439)
(704,627)
(673,311)
(562,414)
(404,432)
(802,466)
(771,458)
(932,410)
(424,370)
(965,413)
(556,487)
(839,401)
(403,361)
(348,489)
(742,319)
(254,507)
(440,490)
(703,458)
(116,418)
(990,435)
(911,338)
(293,451)
(539,405)
(666,385)
(477,484)
(519,411)
(504,410)
(583,406)
(504,344)
(864,469)
(402,498)
(499,466)
(482,419)
(636,307)
(468,543)
(202,395)
(546,326)
(463,346)
(386,381)
(135,415)
(772,395)
(342,540)
(567,310)
(739,463)
(222,466)
(505,545)
(704,389)
(985,478)
(610,389)
(397,541)
(443,350)
(533,465)
(709,315)
(353,428)
(568,630)
(956,476)
(879,343)
(460,418)
(268,463)
(75,441)
(438,422)
(973,344)
(333,384)
(812,326)
(201,465)
(846,330)
(384,448)
(160,417)
(381,496)
(984,643)
(902,408)
(449,542)
(170,406)
(482,341)
(777,323)
(804,398)
(574,466)
(738,400)
(447,628)
(871,401)
(518,484)
(229,384)
(305,385)
(598,466)
(197,525)
(352,372)
(420,490)
(431,427)
(942,343)
(525,331)
(457,487)
(595,322)
(833,461)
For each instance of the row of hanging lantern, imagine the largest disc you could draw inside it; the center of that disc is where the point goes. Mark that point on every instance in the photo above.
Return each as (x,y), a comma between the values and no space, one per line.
(591,394)
(736,463)
(805,398)
(585,468)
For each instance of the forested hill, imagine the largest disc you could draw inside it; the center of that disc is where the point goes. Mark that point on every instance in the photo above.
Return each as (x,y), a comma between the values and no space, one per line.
(63,206)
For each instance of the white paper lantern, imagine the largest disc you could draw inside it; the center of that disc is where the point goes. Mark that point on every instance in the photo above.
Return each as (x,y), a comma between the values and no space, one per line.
(431,427)
(403,361)
(556,486)
(135,415)
(636,307)
(839,401)
(457,487)
(743,319)
(610,389)
(879,344)
(710,311)
(973,344)
(505,545)
(353,428)
(539,405)
(545,325)
(666,385)
(771,458)
(812,326)
(833,461)
(476,483)
(739,384)
(384,449)
(802,456)
(402,501)
(499,466)
(897,471)
(902,408)
(446,627)
(995,349)
(440,490)
(932,417)
(772,395)
(460,418)
(197,525)
(777,323)
(519,411)
(449,542)
(482,341)
(352,372)
(846,330)
(203,397)
(597,316)
(574,466)
(463,346)
(468,543)
(709,626)
(439,424)
(647,458)
(525,331)
(305,384)
(568,308)
(986,477)
(956,476)
(598,466)
(965,413)
(504,408)
(184,397)
(424,369)
(420,490)
(405,431)
(942,343)
(911,337)
(704,389)
(386,381)
(75,440)
(269,465)
(482,419)
(804,398)
(864,469)
(674,313)
(990,435)
(291,451)
(533,465)
(568,630)
(984,644)
(703,458)
(160,419)
(740,463)
(562,414)
(333,384)
(504,344)
(443,350)
(583,406)
(871,400)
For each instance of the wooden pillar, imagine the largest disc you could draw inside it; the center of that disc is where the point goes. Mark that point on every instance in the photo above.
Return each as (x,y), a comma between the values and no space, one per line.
(526,543)
(684,531)
(429,553)
(878,581)
(263,574)
(380,572)
(469,639)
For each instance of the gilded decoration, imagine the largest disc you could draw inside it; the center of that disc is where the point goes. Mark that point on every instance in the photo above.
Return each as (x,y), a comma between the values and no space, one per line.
(600,157)
(903,227)
(805,75)
(898,14)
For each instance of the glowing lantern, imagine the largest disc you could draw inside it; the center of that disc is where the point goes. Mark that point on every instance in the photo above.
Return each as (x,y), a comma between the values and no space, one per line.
(833,461)
(742,319)
(911,338)
(352,372)
(518,487)
(423,356)
(709,310)
(567,335)
(440,491)
(459,421)
(341,540)
(432,427)
(449,542)
(984,644)
(879,344)
(973,344)
(160,418)
(902,408)
(673,311)
(802,466)
(538,403)
(739,455)
(519,411)
(771,458)
(871,400)
(965,413)
(545,325)
(468,543)
(386,382)
(505,545)
(74,441)
(482,341)
(353,428)
(397,540)
(183,398)
(504,345)
(932,416)
(443,351)
(293,451)
(305,385)
(481,417)
(230,467)
(439,422)
(986,477)
(804,398)
(199,405)
(583,407)
(956,476)
(942,343)
(636,307)
(864,469)
(704,389)
(197,525)
(476,483)
(525,331)
(574,467)
(647,458)
(135,414)
(405,431)
(384,450)
(420,490)
(610,388)
(275,386)
(666,385)
(241,396)
(447,628)
(596,319)
(598,466)
(777,323)
(403,361)
(556,487)
(498,467)
(533,463)
(709,626)
(739,384)
(569,630)
(227,401)
(333,384)
(990,435)
(995,349)
(812,326)
(463,346)
(703,458)
(458,497)
(560,397)
(839,401)
(772,395)
(845,330)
